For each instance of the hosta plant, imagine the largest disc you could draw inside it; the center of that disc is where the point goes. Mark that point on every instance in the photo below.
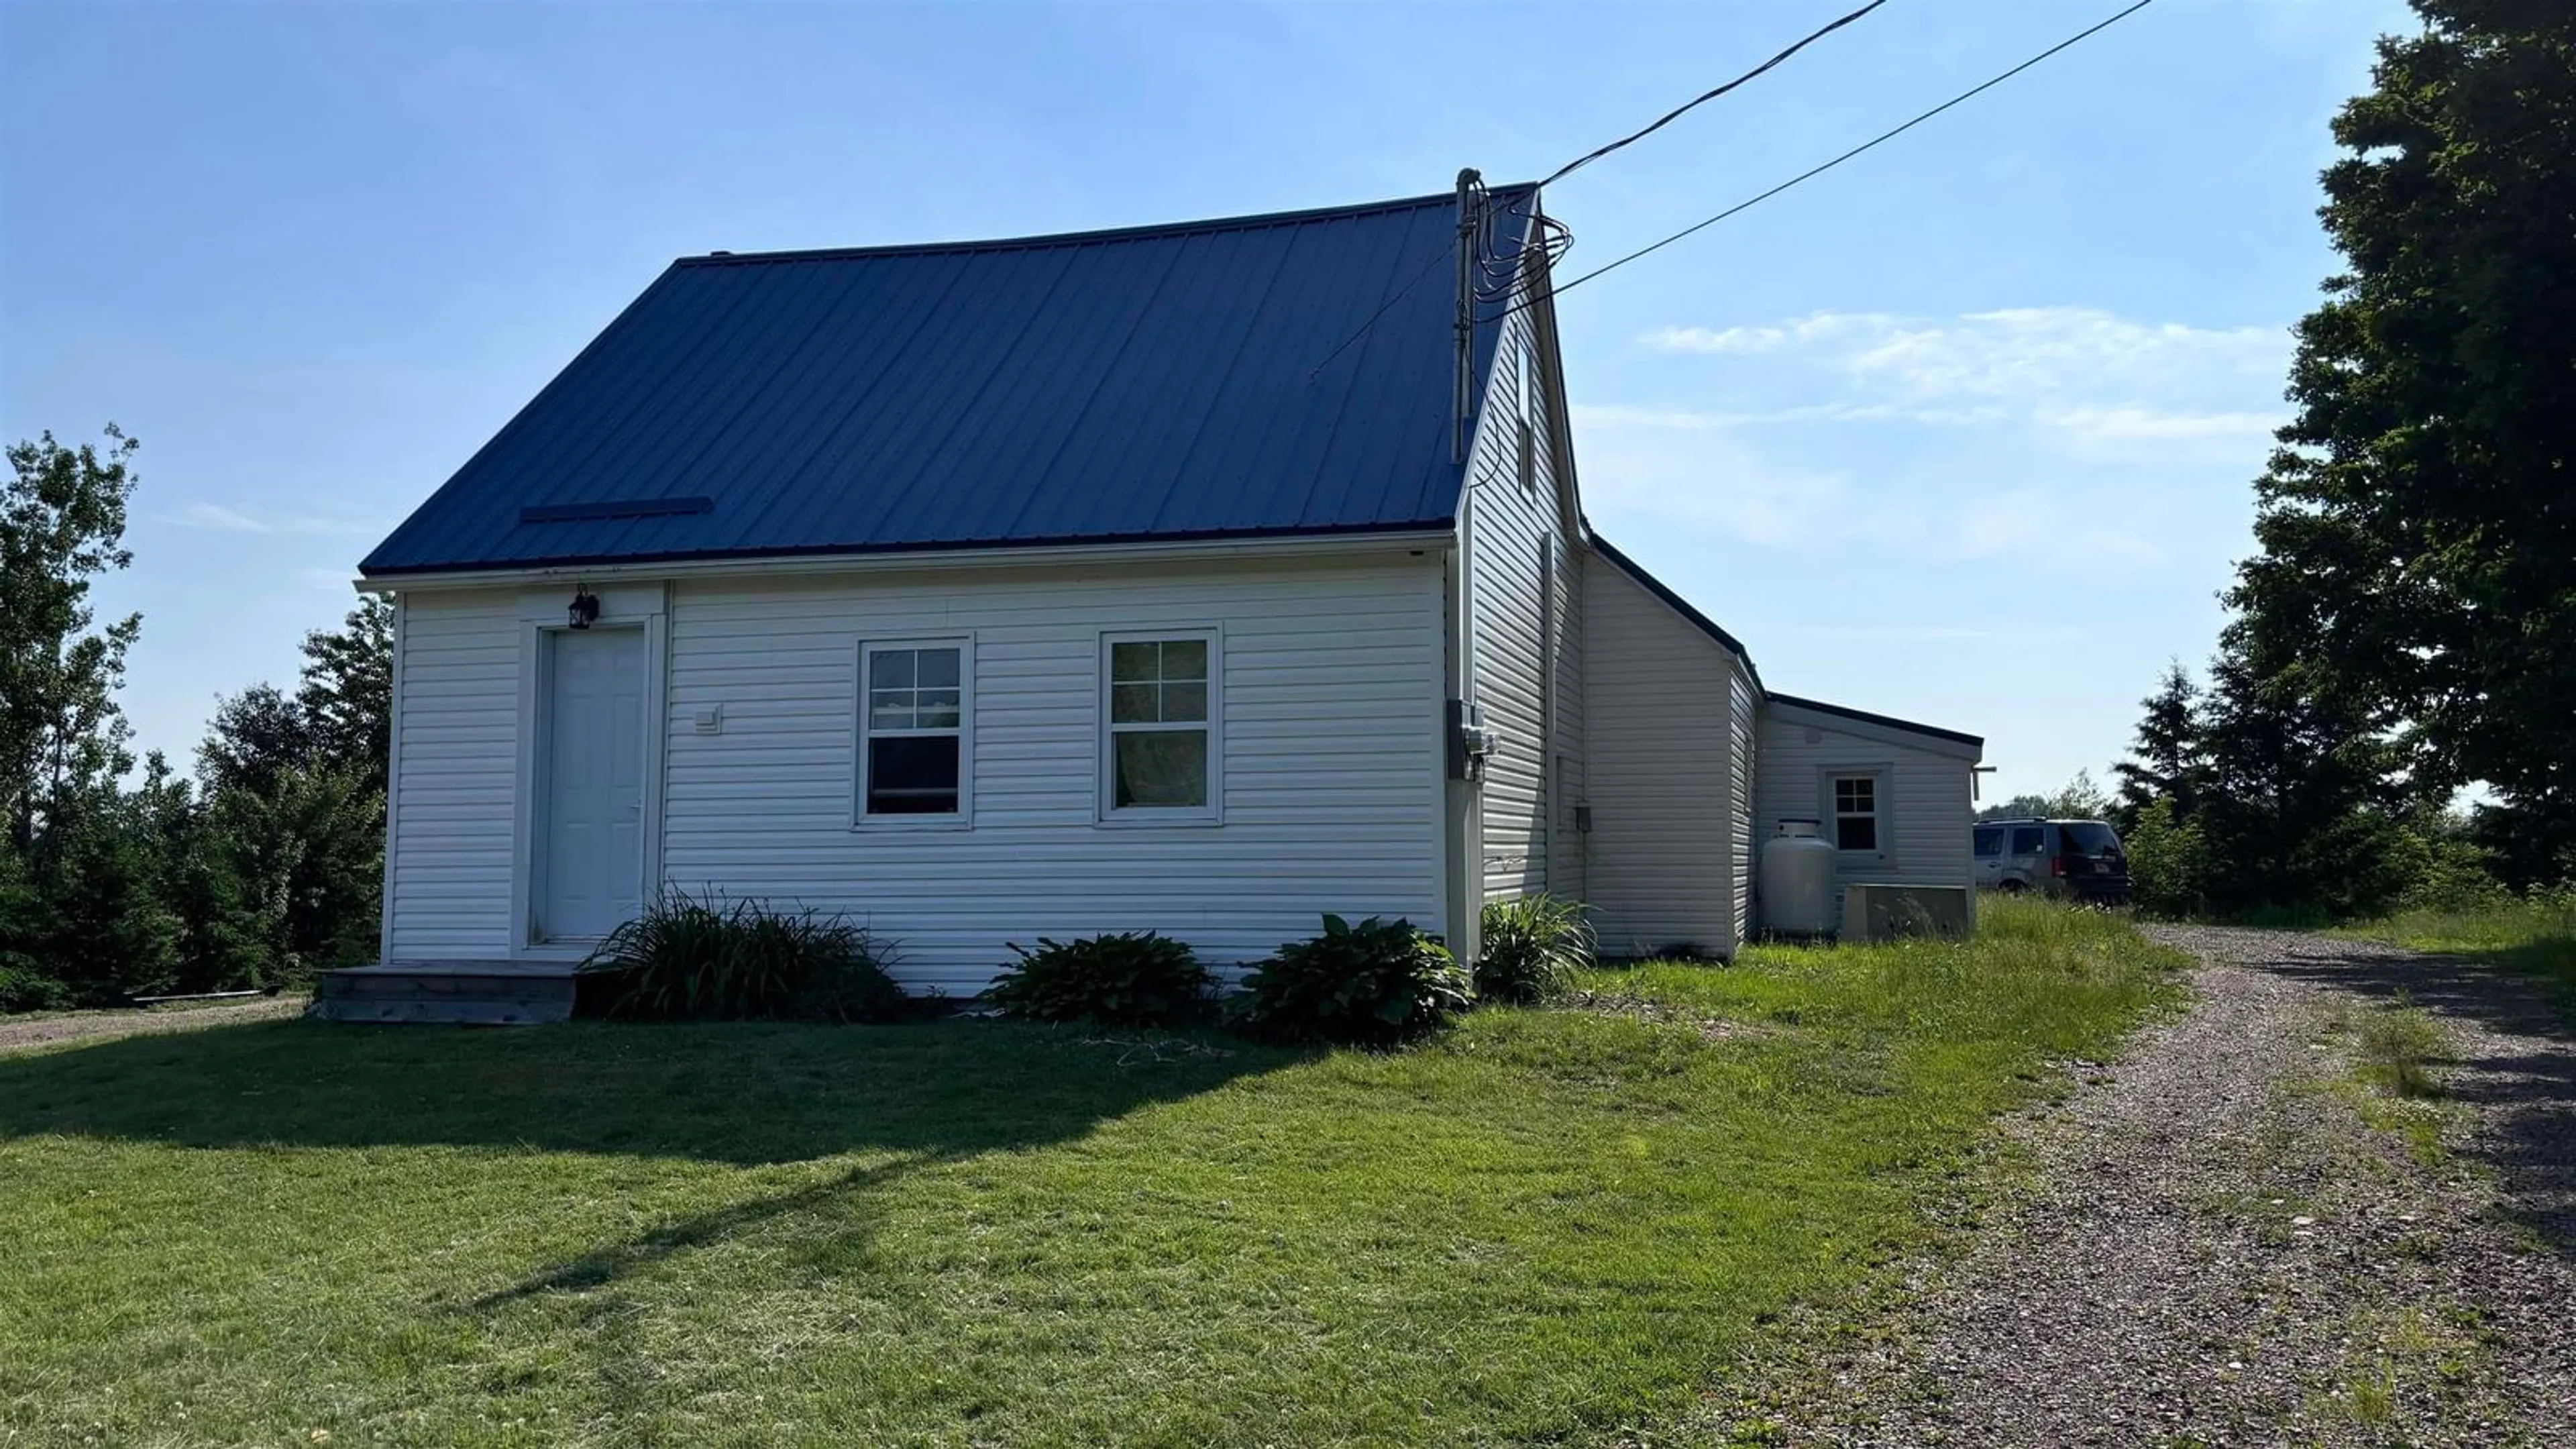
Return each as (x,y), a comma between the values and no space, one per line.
(1127,978)
(1374,983)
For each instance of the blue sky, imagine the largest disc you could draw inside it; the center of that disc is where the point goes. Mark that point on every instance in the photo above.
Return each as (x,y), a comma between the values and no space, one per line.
(1962,431)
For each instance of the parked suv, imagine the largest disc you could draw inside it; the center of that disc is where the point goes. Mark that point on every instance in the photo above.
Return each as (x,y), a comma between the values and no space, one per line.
(2081,859)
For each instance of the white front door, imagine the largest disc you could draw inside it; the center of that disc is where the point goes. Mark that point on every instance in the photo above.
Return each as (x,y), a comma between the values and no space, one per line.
(590,843)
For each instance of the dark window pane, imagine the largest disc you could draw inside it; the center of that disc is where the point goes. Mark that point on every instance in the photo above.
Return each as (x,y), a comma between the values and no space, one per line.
(2028,840)
(890,669)
(1134,662)
(1131,703)
(1186,701)
(1185,659)
(1160,769)
(1990,842)
(1856,832)
(937,668)
(912,776)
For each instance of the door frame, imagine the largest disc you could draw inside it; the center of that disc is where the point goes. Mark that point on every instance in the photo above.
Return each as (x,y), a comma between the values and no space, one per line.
(639,607)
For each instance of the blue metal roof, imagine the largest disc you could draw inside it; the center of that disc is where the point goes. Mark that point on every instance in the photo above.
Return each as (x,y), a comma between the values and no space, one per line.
(1158,382)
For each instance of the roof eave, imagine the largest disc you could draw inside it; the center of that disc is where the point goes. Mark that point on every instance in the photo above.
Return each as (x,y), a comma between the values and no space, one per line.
(1304,543)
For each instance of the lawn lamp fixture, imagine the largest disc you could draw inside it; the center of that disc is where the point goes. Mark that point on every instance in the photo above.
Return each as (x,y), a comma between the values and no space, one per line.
(584,608)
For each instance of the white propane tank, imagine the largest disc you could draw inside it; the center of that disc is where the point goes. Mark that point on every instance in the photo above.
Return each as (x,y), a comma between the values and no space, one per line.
(1798,881)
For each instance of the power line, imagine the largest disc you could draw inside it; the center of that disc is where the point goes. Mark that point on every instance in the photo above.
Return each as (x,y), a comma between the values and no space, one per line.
(1557,247)
(1675,114)
(1438,255)
(1812,173)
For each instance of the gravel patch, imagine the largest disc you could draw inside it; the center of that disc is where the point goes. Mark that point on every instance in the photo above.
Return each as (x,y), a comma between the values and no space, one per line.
(2224,1238)
(27,1033)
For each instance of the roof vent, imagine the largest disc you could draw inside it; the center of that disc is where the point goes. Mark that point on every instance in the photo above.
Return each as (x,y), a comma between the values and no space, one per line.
(614,508)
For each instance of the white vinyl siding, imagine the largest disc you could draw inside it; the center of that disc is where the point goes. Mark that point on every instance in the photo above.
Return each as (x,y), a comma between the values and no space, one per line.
(1665,782)
(455,778)
(1924,809)
(1329,756)
(1740,841)
(1523,586)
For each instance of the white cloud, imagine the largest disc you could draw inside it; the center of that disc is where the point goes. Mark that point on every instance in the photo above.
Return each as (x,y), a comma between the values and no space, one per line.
(2043,352)
(1703,339)
(1618,415)
(221,519)
(2068,439)
(1902,633)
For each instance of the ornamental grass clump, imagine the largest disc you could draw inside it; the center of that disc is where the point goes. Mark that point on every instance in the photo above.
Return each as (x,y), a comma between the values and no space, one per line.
(1533,946)
(689,958)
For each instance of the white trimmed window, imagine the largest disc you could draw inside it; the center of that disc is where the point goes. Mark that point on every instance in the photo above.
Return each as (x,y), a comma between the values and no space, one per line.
(1160,748)
(916,718)
(1856,806)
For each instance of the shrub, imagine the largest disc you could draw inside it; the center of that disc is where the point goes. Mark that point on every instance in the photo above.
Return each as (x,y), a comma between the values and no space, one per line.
(691,959)
(1376,982)
(1125,979)
(1532,948)
(2169,863)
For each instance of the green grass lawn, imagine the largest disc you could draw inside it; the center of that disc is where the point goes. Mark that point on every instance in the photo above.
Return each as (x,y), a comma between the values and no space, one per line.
(1543,1226)
(2535,936)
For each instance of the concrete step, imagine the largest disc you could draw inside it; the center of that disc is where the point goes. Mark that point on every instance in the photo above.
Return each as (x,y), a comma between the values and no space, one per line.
(367,984)
(481,993)
(447,1010)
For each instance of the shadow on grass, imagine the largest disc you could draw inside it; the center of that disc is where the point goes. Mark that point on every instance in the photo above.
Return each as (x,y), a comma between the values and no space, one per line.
(742,1094)
(2528,1098)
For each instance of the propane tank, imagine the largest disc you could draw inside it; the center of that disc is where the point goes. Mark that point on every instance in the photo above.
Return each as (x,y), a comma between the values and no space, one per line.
(1798,880)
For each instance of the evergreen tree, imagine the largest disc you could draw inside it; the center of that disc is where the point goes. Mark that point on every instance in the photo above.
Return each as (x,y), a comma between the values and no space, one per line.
(2168,761)
(2417,528)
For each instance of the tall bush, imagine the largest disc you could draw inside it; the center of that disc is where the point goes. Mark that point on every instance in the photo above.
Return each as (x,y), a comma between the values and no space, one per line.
(2169,862)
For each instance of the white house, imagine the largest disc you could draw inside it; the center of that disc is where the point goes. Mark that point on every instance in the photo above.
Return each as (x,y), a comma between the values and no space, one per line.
(1123,580)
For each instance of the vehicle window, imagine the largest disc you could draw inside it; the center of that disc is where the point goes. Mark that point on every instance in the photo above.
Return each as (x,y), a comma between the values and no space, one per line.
(1990,841)
(2089,837)
(2029,840)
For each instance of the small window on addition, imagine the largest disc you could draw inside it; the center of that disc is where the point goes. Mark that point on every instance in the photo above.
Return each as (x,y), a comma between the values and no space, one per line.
(913,759)
(1856,812)
(1161,726)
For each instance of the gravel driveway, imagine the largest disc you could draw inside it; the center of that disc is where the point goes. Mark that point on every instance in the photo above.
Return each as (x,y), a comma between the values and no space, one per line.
(2225,1238)
(28,1032)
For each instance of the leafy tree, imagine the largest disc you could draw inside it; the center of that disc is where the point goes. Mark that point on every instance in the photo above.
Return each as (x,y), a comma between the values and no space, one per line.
(347,693)
(2417,539)
(288,839)
(255,737)
(2018,807)
(2169,862)
(62,525)
(2078,799)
